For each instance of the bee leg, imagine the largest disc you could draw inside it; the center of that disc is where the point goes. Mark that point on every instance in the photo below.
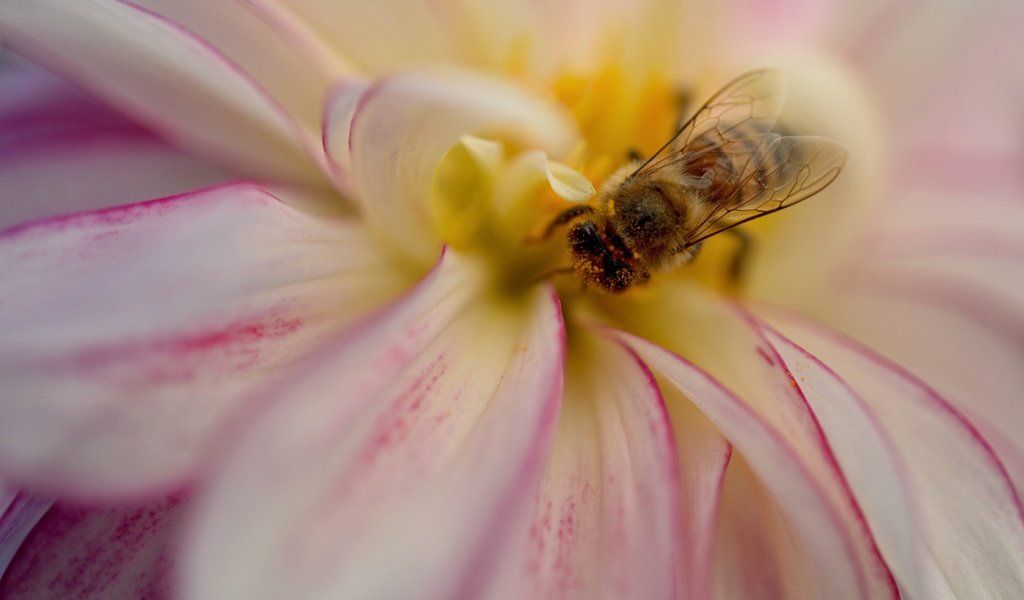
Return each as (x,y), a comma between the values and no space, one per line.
(741,255)
(633,155)
(562,219)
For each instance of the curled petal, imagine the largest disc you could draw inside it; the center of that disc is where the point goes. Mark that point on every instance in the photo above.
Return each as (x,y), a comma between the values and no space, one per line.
(974,530)
(19,513)
(399,462)
(129,335)
(77,552)
(165,75)
(402,127)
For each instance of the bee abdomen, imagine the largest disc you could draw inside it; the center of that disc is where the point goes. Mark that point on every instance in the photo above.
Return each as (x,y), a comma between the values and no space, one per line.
(742,167)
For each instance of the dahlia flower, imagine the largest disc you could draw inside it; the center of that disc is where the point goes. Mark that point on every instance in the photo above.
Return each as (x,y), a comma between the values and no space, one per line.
(276,320)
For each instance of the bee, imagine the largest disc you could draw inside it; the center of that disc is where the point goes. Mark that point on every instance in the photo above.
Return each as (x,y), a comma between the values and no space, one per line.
(727,165)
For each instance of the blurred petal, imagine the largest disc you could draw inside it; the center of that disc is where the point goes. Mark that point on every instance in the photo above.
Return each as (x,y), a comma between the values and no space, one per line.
(283,57)
(973,530)
(798,249)
(494,35)
(87,553)
(399,463)
(167,77)
(609,513)
(777,25)
(58,150)
(130,334)
(402,127)
(760,553)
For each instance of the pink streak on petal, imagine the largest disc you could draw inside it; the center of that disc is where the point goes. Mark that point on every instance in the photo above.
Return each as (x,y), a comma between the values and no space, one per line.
(169,78)
(58,149)
(264,46)
(781,468)
(975,532)
(722,339)
(867,456)
(367,451)
(123,393)
(607,518)
(84,553)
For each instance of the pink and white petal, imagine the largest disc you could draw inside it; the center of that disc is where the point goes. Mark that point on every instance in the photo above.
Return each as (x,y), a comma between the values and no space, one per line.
(834,548)
(285,59)
(130,335)
(870,462)
(723,340)
(759,26)
(59,150)
(965,58)
(974,529)
(759,554)
(167,77)
(19,513)
(89,553)
(401,462)
(609,512)
(965,342)
(403,126)
(703,458)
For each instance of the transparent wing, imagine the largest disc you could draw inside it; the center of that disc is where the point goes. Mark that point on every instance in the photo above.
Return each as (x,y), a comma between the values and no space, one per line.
(751,102)
(782,172)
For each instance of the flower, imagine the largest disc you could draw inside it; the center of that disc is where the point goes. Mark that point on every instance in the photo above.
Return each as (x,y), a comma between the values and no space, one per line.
(334,365)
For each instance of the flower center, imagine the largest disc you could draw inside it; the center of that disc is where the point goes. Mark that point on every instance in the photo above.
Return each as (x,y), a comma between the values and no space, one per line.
(501,206)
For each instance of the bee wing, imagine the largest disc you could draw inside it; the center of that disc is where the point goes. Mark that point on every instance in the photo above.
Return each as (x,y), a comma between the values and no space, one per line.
(801,166)
(751,102)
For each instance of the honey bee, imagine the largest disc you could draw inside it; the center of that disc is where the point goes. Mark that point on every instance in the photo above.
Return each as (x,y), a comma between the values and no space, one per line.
(727,165)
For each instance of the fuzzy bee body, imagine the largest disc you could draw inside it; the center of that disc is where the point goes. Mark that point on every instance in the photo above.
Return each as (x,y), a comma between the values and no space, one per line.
(727,165)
